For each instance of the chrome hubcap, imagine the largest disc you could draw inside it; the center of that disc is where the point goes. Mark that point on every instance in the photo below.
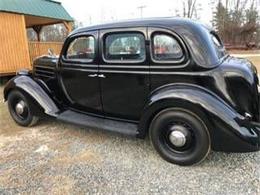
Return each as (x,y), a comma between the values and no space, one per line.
(19,107)
(177,138)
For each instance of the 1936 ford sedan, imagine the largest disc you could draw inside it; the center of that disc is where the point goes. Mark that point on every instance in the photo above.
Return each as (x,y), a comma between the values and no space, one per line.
(167,78)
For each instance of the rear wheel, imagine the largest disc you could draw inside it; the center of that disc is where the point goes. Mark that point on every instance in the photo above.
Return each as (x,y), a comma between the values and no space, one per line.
(180,136)
(21,108)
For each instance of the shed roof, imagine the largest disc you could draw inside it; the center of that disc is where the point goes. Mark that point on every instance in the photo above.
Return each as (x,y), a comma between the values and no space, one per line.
(40,8)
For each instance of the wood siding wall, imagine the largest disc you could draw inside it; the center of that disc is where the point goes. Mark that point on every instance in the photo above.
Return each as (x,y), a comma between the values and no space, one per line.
(37,49)
(14,51)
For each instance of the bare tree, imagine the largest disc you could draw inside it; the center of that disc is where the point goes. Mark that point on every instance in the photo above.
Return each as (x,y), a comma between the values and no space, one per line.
(189,8)
(50,33)
(237,21)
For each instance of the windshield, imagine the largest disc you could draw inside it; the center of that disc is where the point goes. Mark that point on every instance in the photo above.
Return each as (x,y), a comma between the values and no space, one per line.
(219,47)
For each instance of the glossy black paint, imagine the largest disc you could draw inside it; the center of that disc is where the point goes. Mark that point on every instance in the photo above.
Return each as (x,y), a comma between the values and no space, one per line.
(37,91)
(75,76)
(221,90)
(223,121)
(122,84)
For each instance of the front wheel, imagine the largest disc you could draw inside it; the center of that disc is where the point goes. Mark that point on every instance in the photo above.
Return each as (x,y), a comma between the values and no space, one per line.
(180,136)
(21,108)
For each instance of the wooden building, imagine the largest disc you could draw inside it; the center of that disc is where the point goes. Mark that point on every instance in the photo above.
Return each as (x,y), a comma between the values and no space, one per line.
(16,52)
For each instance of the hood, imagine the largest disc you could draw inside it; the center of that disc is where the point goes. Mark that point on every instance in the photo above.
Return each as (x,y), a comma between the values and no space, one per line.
(44,67)
(46,60)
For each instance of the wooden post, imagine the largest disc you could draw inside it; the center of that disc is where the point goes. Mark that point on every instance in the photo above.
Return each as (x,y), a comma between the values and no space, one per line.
(38,29)
(68,26)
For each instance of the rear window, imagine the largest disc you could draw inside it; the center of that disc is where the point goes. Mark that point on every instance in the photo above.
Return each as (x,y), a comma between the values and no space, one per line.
(219,47)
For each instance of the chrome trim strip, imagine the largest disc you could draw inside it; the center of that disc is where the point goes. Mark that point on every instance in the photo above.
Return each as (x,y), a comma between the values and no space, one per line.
(124,66)
(80,69)
(116,66)
(123,71)
(152,73)
(79,65)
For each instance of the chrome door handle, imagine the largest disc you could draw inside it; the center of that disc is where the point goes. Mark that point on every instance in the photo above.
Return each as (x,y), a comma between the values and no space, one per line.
(92,75)
(101,76)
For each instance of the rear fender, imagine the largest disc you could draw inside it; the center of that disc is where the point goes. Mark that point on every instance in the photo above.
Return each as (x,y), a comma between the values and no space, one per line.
(217,112)
(26,84)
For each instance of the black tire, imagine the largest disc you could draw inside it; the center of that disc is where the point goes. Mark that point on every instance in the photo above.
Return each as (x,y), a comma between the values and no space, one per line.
(27,118)
(197,139)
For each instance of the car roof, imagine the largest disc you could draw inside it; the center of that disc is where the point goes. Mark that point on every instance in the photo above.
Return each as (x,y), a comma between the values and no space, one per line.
(162,21)
(196,35)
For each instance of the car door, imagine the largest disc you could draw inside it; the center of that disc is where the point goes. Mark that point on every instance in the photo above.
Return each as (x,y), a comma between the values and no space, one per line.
(79,72)
(169,58)
(123,72)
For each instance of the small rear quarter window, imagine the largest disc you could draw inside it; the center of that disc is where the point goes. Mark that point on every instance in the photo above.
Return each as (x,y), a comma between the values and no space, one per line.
(166,48)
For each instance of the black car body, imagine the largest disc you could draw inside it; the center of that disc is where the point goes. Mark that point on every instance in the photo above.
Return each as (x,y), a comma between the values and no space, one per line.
(131,73)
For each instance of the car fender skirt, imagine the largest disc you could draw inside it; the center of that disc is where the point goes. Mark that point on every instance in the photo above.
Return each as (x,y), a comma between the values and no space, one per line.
(27,84)
(229,130)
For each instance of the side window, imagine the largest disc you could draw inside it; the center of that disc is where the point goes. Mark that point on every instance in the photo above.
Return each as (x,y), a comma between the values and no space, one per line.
(81,48)
(166,48)
(124,47)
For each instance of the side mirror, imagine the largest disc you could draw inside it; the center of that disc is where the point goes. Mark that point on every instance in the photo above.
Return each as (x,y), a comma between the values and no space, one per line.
(51,52)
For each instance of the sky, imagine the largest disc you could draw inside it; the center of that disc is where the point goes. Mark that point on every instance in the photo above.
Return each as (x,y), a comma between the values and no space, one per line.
(90,12)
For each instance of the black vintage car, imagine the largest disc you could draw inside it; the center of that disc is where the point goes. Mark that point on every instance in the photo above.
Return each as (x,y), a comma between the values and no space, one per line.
(167,78)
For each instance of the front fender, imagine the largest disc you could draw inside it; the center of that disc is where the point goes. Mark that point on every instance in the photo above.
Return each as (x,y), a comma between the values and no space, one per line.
(226,123)
(27,84)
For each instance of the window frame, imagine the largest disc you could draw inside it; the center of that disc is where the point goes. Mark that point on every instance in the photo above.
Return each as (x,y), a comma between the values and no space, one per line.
(103,46)
(174,63)
(80,60)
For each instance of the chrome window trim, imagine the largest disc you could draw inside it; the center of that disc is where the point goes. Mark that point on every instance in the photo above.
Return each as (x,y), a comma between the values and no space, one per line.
(121,61)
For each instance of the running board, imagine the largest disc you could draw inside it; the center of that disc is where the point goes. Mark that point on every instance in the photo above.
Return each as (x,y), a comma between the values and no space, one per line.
(73,117)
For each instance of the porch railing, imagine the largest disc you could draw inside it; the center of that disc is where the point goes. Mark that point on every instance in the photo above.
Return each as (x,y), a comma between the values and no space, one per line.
(37,49)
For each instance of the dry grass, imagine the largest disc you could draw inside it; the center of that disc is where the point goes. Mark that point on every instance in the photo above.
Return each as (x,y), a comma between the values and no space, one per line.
(254,59)
(244,51)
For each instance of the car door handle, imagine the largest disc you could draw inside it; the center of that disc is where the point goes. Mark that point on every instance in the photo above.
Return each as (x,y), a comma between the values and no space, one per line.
(92,75)
(101,76)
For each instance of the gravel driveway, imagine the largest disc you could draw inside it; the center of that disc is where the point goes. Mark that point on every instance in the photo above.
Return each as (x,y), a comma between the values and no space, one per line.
(54,157)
